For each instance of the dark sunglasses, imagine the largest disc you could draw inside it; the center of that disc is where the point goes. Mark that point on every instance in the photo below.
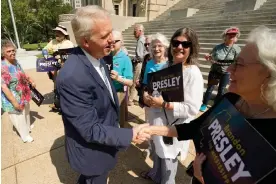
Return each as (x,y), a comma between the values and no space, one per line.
(146,44)
(185,44)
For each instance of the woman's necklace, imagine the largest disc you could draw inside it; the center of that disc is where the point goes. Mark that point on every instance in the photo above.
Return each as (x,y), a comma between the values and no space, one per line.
(256,114)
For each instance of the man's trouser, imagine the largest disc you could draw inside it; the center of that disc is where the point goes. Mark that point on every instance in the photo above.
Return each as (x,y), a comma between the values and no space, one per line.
(137,72)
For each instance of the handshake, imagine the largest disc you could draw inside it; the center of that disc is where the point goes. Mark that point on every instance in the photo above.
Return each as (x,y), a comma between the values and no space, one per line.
(141,133)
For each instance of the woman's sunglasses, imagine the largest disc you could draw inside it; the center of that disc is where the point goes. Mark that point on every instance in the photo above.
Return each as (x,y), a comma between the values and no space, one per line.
(185,44)
(146,44)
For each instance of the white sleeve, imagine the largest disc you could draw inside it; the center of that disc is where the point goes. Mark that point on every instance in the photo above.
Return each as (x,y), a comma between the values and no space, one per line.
(193,95)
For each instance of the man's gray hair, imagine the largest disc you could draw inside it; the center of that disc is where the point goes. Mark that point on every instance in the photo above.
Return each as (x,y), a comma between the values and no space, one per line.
(265,40)
(140,27)
(84,18)
(6,43)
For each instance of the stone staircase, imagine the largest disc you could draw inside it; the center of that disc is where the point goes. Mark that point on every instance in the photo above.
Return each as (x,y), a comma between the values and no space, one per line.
(209,22)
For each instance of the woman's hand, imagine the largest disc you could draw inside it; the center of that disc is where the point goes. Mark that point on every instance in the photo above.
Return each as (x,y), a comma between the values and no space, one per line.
(208,57)
(156,101)
(146,98)
(33,84)
(18,107)
(197,165)
(114,75)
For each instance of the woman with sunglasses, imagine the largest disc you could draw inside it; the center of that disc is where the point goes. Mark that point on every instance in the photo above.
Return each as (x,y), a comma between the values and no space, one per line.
(184,48)
(252,91)
(121,74)
(221,57)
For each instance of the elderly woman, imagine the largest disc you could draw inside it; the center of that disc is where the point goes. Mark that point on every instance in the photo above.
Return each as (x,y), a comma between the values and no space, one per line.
(121,74)
(221,57)
(157,47)
(61,42)
(184,48)
(252,91)
(15,93)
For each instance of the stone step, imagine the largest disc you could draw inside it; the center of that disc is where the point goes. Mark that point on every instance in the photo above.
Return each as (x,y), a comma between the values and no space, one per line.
(204,27)
(200,14)
(175,25)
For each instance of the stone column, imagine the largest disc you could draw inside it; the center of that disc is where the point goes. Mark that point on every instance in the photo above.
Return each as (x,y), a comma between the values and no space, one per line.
(109,6)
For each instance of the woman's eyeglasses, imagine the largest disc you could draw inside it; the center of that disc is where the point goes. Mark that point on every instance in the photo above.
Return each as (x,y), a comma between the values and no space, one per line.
(185,44)
(116,41)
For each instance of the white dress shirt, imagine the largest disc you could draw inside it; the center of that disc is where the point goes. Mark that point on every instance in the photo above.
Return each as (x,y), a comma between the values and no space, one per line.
(97,64)
(183,111)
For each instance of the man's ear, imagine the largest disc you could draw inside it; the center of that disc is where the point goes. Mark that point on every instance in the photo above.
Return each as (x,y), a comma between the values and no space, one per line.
(84,42)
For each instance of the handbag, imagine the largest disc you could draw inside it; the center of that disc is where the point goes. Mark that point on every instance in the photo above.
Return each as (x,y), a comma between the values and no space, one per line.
(37,97)
(215,78)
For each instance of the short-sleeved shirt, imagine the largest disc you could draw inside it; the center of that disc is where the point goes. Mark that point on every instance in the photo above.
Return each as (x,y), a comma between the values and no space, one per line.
(122,64)
(54,45)
(14,77)
(152,67)
(220,52)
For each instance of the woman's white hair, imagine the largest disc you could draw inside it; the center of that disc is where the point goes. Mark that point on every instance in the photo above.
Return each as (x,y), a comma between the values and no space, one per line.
(84,18)
(265,40)
(117,34)
(161,38)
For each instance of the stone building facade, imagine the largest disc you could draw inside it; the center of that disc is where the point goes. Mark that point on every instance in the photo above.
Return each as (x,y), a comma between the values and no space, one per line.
(149,9)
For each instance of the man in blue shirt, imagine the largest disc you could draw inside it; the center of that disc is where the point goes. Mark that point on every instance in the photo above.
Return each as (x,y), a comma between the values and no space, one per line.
(121,74)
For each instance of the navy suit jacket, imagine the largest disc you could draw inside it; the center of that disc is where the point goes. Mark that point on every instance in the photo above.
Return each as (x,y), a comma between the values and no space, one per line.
(90,117)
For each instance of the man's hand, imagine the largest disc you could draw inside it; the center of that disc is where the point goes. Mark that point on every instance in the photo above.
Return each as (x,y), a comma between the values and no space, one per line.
(137,83)
(114,75)
(197,165)
(156,101)
(138,137)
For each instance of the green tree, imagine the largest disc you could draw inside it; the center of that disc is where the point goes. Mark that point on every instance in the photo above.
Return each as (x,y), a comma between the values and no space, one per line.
(24,18)
(48,12)
(34,19)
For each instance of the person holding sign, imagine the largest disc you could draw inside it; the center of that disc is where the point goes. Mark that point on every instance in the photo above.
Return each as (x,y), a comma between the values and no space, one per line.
(253,94)
(158,46)
(183,50)
(121,74)
(221,57)
(15,91)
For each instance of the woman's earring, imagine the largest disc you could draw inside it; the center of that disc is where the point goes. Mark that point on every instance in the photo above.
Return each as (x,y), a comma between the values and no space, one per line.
(262,93)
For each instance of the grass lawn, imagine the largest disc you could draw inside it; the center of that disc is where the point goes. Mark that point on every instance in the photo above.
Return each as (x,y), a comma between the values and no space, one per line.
(34,46)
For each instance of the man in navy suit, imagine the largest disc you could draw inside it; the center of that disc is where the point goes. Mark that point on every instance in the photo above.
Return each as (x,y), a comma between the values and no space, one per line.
(88,100)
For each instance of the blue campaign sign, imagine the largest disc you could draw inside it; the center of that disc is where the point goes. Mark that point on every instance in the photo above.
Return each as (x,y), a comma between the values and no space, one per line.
(46,65)
(236,152)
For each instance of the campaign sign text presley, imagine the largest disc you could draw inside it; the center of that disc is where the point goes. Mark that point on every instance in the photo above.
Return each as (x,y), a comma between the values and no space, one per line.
(46,65)
(236,152)
(168,82)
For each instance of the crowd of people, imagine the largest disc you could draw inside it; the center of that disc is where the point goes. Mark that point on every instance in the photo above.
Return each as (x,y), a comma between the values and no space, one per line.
(94,103)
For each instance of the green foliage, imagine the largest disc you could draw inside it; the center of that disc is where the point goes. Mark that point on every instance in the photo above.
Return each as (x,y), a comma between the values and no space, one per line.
(34,19)
(34,46)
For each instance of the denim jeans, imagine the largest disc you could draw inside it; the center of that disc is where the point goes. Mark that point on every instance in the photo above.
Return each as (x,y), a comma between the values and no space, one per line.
(223,81)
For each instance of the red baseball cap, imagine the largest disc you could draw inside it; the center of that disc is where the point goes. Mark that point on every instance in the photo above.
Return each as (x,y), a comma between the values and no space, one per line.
(232,30)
